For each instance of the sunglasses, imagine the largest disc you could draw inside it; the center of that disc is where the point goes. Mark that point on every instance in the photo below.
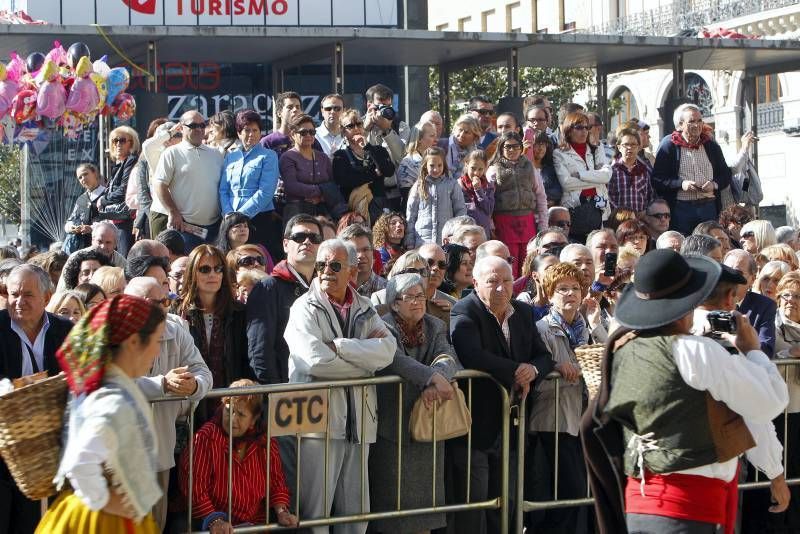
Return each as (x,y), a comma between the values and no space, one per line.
(353,125)
(748,235)
(580,127)
(484,112)
(119,141)
(335,266)
(423,272)
(206,269)
(563,224)
(660,216)
(306,131)
(195,125)
(250,261)
(300,238)
(441,264)
(332,108)
(512,147)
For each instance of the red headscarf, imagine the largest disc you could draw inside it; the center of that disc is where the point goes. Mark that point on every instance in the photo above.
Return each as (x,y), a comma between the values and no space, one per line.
(86,351)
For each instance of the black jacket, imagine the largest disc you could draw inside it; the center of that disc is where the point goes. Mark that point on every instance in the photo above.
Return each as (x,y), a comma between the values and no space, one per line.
(480,345)
(349,172)
(267,316)
(112,203)
(761,310)
(84,212)
(11,348)
(233,330)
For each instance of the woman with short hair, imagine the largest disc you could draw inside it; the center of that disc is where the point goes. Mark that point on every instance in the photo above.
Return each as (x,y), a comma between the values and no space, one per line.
(757,235)
(222,132)
(769,276)
(67,304)
(110,279)
(123,150)
(464,139)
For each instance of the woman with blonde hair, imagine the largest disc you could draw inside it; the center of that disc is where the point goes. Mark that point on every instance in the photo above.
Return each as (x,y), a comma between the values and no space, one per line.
(67,304)
(757,235)
(123,150)
(769,277)
(110,279)
(246,257)
(423,137)
(465,138)
(781,252)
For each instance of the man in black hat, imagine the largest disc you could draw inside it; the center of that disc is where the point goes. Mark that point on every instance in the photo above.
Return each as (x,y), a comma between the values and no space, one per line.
(667,426)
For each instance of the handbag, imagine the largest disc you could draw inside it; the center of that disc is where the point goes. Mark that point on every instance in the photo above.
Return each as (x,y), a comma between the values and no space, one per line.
(746,186)
(452,416)
(586,217)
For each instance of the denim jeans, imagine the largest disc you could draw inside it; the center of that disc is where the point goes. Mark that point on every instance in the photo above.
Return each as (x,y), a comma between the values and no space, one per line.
(688,214)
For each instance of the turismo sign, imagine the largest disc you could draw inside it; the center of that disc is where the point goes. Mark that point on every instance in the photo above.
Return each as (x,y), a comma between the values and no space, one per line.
(381,13)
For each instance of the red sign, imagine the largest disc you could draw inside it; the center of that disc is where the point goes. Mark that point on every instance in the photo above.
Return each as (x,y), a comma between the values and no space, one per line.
(148,7)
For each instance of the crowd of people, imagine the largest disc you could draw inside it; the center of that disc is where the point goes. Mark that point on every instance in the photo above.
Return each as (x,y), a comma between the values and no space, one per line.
(211,256)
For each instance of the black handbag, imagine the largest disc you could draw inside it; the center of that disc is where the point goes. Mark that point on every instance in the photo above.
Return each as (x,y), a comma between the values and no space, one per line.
(586,217)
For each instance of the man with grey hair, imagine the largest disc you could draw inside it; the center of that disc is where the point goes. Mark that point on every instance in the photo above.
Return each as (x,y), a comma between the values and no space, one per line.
(670,239)
(494,248)
(334,333)
(367,282)
(451,226)
(104,241)
(702,245)
(493,334)
(178,371)
(29,338)
(559,216)
(552,239)
(690,171)
(760,310)
(787,235)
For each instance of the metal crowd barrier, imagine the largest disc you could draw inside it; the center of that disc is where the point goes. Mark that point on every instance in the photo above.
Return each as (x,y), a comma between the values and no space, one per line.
(530,506)
(499,503)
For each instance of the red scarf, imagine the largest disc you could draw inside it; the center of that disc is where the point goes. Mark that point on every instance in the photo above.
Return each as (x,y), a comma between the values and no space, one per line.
(678,139)
(581,148)
(469,189)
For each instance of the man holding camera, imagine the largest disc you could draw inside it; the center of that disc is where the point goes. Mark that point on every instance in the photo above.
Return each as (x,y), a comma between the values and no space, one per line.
(668,425)
(383,127)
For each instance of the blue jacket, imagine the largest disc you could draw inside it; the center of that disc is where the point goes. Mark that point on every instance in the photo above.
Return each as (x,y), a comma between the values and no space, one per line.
(248,181)
(761,310)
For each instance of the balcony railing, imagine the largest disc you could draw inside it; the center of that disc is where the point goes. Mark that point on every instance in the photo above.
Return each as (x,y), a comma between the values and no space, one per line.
(770,117)
(684,16)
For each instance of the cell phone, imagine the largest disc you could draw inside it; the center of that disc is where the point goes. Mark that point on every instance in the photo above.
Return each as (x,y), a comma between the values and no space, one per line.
(610,264)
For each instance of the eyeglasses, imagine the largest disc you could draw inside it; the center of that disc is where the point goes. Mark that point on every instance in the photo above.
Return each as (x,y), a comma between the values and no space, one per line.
(306,131)
(120,141)
(206,269)
(567,290)
(790,296)
(250,261)
(629,146)
(660,216)
(353,125)
(195,125)
(748,235)
(580,127)
(537,119)
(552,245)
(332,108)
(412,299)
(562,224)
(335,266)
(441,264)
(484,112)
(87,272)
(300,238)
(423,272)
(512,147)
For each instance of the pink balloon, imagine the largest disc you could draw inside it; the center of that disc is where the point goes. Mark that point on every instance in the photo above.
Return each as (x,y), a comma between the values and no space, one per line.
(51,100)
(83,96)
(8,90)
(125,106)
(57,55)
(15,68)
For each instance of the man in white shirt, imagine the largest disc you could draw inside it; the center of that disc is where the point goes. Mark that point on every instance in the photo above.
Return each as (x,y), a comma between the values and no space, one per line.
(186,186)
(329,131)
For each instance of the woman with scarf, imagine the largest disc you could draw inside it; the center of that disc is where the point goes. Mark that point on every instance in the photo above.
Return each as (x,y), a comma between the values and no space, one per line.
(421,339)
(466,134)
(520,202)
(109,457)
(563,329)
(123,150)
(209,491)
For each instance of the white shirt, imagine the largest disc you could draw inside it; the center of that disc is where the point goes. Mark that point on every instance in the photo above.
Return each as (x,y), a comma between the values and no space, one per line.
(37,349)
(192,174)
(329,142)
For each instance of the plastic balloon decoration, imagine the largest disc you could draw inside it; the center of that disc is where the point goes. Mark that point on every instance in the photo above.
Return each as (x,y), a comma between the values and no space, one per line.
(63,88)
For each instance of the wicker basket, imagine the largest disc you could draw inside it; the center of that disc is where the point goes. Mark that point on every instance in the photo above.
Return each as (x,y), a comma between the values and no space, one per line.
(589,357)
(31,421)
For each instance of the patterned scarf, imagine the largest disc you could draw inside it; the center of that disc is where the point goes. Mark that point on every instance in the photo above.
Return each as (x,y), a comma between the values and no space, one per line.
(678,139)
(576,332)
(469,189)
(87,349)
(411,335)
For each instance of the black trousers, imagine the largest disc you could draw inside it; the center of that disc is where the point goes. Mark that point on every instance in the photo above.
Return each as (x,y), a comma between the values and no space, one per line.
(18,514)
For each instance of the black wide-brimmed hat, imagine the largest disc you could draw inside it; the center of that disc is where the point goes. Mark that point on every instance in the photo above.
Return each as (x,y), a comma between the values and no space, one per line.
(666,287)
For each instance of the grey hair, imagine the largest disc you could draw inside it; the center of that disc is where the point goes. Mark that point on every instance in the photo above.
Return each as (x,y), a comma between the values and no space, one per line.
(404,261)
(590,237)
(785,234)
(699,245)
(401,283)
(99,225)
(738,253)
(354,231)
(661,242)
(483,249)
(450,225)
(677,116)
(566,251)
(334,245)
(484,264)
(555,209)
(140,286)
(45,284)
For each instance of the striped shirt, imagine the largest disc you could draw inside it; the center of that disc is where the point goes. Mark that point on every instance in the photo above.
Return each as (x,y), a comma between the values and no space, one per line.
(695,166)
(630,188)
(210,490)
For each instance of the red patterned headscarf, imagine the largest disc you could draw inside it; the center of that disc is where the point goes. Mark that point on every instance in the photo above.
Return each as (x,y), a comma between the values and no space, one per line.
(86,351)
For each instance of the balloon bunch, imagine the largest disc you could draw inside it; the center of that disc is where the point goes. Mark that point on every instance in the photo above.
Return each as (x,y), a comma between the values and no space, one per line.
(64,87)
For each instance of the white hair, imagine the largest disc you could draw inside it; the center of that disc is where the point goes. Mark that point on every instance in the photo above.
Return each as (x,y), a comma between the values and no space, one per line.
(42,278)
(737,254)
(785,234)
(677,116)
(451,225)
(483,265)
(555,209)
(335,245)
(401,283)
(569,249)
(486,248)
(140,286)
(663,240)
(102,225)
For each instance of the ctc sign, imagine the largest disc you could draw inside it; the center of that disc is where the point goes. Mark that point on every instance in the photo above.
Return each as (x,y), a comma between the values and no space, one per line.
(298,412)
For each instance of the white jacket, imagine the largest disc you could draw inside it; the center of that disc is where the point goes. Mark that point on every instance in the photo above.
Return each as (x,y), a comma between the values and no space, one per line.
(312,324)
(595,173)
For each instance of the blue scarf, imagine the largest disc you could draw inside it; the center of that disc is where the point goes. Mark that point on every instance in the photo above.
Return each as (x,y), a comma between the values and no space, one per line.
(576,332)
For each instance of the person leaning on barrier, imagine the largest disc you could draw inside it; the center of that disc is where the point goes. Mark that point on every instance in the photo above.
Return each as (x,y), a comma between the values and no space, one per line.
(209,491)
(673,404)
(421,339)
(334,333)
(178,371)
(492,333)
(563,329)
(766,456)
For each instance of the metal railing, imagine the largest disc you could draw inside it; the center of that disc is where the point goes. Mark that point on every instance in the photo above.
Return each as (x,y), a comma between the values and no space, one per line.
(770,117)
(498,503)
(682,15)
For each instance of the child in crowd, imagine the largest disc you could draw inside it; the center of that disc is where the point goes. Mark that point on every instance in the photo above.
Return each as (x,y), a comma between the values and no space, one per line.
(434,198)
(423,136)
(246,280)
(478,191)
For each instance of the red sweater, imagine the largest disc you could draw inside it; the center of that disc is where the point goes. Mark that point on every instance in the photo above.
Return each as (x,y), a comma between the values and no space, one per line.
(210,492)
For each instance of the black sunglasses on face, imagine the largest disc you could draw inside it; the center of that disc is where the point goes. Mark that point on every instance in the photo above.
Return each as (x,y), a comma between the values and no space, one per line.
(332,108)
(441,264)
(660,216)
(300,238)
(580,127)
(484,112)
(249,261)
(423,272)
(195,125)
(206,269)
(335,266)
(748,235)
(353,125)
(119,141)
(308,131)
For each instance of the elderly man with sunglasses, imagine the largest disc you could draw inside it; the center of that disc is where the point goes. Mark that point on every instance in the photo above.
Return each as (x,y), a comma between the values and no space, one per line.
(186,186)
(335,334)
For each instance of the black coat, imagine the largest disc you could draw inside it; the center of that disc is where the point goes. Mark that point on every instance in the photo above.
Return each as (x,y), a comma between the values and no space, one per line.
(11,348)
(112,203)
(761,310)
(235,352)
(480,345)
(349,172)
